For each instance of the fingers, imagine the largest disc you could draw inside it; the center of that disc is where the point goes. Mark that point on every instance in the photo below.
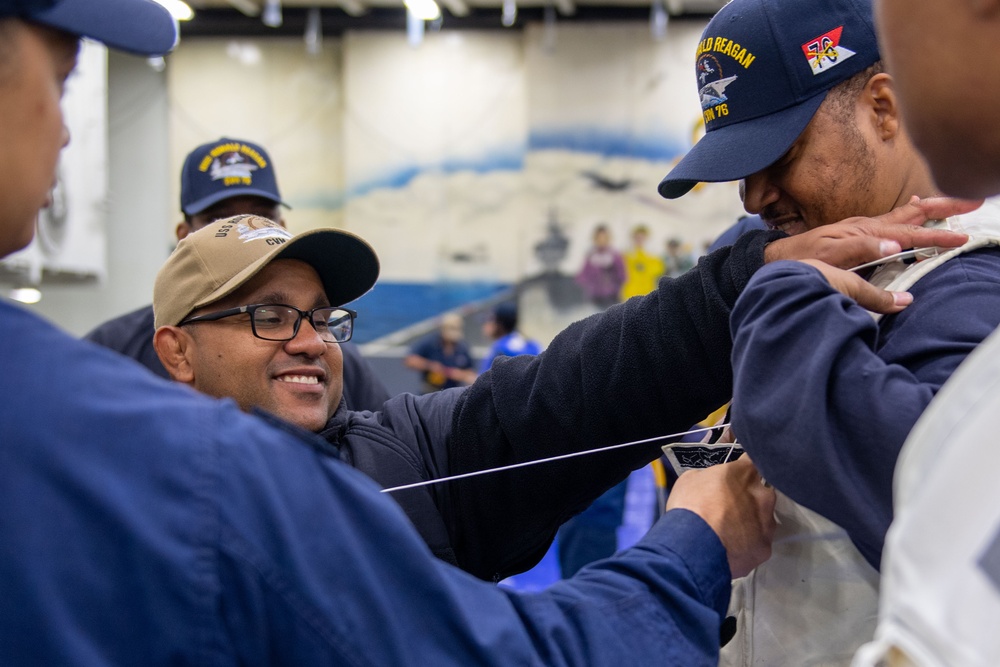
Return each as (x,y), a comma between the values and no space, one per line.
(738,506)
(855,241)
(914,237)
(867,295)
(917,211)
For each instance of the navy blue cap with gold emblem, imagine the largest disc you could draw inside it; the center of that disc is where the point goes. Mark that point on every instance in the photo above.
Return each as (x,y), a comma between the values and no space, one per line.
(763,68)
(226,168)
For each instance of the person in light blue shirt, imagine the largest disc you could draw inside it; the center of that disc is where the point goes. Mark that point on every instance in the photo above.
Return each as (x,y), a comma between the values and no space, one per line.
(507,340)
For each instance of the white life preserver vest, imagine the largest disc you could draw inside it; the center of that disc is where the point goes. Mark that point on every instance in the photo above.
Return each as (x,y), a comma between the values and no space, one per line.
(815,601)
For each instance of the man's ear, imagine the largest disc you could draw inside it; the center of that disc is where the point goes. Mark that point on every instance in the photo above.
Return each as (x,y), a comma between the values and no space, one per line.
(881,94)
(986,9)
(183,229)
(173,345)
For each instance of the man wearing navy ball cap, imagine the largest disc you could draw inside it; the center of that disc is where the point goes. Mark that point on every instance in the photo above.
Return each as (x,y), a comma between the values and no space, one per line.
(797,106)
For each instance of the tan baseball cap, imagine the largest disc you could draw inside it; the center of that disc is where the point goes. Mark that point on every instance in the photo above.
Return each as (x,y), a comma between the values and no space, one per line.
(217,259)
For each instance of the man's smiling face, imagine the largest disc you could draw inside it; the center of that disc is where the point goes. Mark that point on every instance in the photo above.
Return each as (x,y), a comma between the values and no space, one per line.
(299,380)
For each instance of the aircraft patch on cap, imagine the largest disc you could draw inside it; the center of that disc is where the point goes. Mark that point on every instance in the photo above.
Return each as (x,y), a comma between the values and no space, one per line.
(825,52)
(232,163)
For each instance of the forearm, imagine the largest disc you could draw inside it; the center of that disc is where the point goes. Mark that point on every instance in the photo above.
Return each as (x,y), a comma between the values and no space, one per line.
(651,366)
(664,598)
(821,411)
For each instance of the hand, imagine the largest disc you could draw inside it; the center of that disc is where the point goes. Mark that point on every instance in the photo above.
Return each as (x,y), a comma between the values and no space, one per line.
(854,241)
(855,287)
(733,499)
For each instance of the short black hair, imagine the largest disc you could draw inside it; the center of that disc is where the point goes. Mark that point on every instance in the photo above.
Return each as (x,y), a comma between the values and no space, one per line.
(505,315)
(842,96)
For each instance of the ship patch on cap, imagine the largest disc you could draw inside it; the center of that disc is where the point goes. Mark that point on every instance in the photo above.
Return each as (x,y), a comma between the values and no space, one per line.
(714,77)
(232,163)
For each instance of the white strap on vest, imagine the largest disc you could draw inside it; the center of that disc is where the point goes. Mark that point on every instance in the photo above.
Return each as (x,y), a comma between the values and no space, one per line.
(983,228)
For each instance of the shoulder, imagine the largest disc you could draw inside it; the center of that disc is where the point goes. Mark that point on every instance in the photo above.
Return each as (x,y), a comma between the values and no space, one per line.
(138,321)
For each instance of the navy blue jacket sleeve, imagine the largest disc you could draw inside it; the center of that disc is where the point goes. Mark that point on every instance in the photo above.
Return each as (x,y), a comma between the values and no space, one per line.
(315,568)
(824,398)
(209,537)
(651,366)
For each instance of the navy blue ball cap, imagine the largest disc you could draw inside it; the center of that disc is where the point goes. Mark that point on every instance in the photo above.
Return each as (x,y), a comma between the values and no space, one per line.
(142,27)
(763,68)
(225,168)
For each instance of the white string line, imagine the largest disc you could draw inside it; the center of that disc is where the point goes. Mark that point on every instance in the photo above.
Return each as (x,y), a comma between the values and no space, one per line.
(913,253)
(525,464)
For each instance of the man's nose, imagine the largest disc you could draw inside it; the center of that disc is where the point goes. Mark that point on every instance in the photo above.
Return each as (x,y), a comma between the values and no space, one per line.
(306,341)
(758,191)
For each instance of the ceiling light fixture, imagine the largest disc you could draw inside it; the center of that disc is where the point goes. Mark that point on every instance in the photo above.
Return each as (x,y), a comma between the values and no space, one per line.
(414,29)
(658,20)
(425,10)
(549,29)
(508,13)
(179,9)
(314,32)
(26,294)
(271,16)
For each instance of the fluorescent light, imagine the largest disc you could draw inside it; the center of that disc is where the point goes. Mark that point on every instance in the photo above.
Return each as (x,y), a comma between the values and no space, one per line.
(179,9)
(427,10)
(26,294)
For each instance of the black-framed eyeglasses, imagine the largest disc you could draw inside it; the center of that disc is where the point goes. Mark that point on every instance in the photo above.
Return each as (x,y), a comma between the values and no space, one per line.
(280,322)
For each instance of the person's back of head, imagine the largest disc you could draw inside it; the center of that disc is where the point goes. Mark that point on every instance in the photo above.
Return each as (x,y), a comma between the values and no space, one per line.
(505,315)
(451,328)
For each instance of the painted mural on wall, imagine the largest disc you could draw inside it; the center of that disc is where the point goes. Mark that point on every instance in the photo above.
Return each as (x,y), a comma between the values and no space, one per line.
(482,158)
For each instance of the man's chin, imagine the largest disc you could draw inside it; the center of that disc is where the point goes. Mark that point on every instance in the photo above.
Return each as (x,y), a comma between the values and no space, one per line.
(310,420)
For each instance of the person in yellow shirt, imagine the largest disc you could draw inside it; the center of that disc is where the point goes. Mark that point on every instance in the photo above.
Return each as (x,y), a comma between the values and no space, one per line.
(642,269)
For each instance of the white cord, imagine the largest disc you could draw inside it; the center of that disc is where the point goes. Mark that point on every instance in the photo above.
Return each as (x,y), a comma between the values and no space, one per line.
(525,464)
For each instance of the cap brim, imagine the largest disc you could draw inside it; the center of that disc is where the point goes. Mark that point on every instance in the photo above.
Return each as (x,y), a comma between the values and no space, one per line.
(205,202)
(736,151)
(142,27)
(347,266)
